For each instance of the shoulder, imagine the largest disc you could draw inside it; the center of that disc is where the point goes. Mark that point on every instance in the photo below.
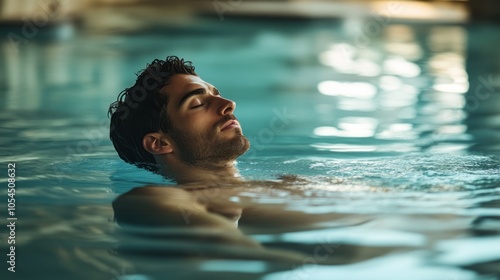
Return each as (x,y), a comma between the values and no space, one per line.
(151,205)
(153,190)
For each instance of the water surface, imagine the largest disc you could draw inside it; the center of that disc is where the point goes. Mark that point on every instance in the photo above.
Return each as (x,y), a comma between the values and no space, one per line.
(396,131)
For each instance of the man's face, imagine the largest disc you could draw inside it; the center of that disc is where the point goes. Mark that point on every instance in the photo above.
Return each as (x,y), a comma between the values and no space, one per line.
(205,131)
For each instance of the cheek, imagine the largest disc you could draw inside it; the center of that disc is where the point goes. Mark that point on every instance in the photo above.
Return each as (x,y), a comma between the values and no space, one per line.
(199,124)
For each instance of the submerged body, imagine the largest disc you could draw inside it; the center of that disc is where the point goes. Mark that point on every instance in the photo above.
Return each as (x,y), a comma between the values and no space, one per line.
(227,214)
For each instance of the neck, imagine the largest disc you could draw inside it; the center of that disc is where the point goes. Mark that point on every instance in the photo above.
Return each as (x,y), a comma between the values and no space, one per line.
(189,174)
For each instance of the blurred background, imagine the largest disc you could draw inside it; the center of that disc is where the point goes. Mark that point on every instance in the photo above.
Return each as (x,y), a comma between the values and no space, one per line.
(391,108)
(427,61)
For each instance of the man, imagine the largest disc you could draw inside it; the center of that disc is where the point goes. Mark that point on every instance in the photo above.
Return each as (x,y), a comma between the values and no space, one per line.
(173,123)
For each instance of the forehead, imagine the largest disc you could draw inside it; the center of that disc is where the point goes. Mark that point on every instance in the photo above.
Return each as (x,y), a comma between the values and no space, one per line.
(182,83)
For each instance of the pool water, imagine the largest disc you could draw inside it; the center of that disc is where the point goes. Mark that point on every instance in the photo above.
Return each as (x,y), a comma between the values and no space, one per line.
(396,129)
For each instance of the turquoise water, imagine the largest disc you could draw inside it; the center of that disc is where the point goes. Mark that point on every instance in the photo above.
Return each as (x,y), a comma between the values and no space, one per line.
(396,128)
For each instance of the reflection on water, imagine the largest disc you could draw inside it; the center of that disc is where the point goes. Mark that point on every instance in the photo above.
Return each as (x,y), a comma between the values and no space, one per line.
(403,129)
(406,104)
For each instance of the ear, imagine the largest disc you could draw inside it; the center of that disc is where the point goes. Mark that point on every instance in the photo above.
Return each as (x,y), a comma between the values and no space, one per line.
(156,144)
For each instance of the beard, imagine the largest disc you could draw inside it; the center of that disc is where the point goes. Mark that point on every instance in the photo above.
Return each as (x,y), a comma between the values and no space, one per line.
(209,149)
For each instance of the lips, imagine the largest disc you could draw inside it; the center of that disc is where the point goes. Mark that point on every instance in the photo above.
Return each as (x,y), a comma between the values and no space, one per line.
(230,124)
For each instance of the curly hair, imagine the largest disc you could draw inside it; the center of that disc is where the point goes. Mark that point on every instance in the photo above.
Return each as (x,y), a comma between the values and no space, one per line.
(142,109)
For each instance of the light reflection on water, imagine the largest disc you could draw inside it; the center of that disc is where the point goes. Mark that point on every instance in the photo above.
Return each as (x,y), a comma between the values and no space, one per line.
(388,130)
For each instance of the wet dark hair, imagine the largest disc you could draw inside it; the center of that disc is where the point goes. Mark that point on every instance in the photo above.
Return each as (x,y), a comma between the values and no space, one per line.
(142,109)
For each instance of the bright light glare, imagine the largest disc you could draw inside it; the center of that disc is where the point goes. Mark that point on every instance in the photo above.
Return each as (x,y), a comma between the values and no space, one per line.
(346,89)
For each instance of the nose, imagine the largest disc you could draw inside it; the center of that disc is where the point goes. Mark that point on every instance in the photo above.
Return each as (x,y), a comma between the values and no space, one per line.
(227,107)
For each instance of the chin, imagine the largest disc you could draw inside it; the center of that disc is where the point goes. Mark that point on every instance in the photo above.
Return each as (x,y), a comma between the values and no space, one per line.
(239,146)
(244,143)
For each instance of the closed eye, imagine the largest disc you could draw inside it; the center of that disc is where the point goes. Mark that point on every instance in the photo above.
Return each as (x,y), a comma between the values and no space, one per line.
(194,107)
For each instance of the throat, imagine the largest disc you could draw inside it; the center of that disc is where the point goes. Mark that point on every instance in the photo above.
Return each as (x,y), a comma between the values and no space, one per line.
(219,174)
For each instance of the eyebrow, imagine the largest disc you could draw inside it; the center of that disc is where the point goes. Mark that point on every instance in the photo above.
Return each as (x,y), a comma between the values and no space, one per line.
(197,91)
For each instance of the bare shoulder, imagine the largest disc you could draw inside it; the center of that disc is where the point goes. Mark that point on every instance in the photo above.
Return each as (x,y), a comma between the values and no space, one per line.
(151,205)
(153,190)
(171,206)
